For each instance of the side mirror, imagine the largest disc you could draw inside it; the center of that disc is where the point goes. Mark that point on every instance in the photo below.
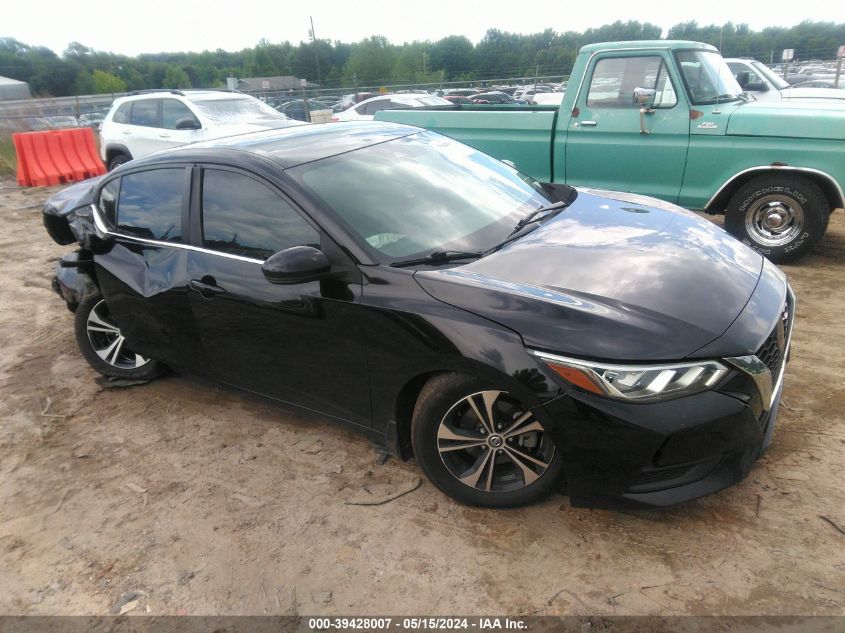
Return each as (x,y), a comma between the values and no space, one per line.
(644,97)
(743,78)
(295,265)
(187,123)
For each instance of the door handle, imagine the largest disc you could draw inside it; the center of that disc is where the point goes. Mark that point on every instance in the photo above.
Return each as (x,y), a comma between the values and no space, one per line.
(207,290)
(588,124)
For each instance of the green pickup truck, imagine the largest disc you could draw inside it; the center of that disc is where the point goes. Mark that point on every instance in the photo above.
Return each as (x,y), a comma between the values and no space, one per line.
(667,119)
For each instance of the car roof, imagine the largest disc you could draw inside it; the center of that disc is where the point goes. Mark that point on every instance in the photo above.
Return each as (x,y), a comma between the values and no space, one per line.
(647,44)
(291,146)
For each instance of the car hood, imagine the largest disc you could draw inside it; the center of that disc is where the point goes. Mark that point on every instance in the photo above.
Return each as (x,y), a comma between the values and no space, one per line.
(790,118)
(813,93)
(611,277)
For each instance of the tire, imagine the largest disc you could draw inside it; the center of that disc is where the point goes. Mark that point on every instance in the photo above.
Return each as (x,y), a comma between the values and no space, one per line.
(516,467)
(781,217)
(101,343)
(117,160)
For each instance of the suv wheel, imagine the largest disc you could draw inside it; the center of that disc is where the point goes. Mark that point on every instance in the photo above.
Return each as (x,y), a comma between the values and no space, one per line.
(117,160)
(481,446)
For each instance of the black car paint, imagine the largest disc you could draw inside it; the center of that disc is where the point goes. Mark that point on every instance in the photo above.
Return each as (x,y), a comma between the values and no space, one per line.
(365,341)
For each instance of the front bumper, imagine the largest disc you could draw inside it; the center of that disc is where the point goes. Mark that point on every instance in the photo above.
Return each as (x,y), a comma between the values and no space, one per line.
(618,454)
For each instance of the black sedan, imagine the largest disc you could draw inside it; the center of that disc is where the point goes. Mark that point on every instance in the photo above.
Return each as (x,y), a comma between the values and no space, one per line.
(513,336)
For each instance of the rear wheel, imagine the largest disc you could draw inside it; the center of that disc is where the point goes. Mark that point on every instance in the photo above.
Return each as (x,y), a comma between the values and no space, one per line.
(481,446)
(781,217)
(104,347)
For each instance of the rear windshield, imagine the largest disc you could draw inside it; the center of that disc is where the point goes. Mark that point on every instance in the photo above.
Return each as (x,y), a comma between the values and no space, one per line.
(237,110)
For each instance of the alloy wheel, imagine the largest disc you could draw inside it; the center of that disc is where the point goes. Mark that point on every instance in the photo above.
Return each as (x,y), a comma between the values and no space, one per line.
(107,341)
(489,442)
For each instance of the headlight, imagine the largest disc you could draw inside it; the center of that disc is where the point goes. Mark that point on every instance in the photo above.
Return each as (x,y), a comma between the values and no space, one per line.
(636,382)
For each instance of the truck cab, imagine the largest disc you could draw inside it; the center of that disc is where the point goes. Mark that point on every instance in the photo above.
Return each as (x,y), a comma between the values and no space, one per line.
(667,119)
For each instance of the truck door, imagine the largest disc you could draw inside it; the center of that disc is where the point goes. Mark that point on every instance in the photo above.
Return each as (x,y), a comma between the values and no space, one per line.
(613,142)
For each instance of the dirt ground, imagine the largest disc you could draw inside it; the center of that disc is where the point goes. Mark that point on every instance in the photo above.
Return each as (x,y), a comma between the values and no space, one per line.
(180,497)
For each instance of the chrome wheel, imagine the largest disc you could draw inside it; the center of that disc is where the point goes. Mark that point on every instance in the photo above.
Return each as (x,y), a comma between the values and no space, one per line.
(107,341)
(774,220)
(488,442)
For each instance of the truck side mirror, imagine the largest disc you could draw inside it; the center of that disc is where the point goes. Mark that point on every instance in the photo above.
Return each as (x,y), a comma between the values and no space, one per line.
(644,97)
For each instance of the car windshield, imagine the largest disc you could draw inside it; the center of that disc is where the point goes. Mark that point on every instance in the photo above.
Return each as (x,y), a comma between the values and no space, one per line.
(422,193)
(767,72)
(708,78)
(237,110)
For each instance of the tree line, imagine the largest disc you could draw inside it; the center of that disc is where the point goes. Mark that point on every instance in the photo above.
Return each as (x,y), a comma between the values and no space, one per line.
(376,61)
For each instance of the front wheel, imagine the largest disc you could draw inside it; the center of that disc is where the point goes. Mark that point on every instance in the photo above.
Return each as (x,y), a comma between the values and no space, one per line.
(481,446)
(104,347)
(780,217)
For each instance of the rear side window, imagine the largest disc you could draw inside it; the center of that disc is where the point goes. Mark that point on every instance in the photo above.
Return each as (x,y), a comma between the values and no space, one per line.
(173,111)
(145,112)
(108,200)
(150,204)
(381,104)
(242,216)
(122,113)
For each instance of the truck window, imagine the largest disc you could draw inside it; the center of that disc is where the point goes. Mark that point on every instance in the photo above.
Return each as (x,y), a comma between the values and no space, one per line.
(615,78)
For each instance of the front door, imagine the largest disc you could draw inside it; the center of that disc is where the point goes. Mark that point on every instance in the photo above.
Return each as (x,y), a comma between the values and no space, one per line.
(610,144)
(301,343)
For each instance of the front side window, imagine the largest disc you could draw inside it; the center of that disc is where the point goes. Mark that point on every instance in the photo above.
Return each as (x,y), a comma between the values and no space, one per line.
(242,216)
(145,112)
(173,111)
(615,79)
(707,77)
(150,204)
(417,194)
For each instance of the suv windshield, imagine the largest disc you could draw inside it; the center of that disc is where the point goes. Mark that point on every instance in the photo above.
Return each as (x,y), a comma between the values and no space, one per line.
(237,110)
(767,72)
(422,193)
(707,77)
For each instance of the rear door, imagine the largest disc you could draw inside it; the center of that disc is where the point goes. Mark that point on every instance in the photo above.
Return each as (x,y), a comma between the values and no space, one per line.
(611,145)
(301,343)
(145,121)
(143,275)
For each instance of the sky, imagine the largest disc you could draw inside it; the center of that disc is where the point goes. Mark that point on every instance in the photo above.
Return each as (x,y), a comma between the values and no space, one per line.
(180,25)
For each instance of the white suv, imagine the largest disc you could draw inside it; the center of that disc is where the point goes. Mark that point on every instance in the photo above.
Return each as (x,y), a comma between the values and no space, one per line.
(152,120)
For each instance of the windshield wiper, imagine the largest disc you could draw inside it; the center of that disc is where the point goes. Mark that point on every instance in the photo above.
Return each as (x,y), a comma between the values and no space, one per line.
(534,216)
(437,257)
(725,98)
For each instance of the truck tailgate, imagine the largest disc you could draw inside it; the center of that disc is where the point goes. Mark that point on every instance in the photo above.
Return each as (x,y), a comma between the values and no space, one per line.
(521,136)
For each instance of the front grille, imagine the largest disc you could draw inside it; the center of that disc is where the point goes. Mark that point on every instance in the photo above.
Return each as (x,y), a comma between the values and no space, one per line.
(773,348)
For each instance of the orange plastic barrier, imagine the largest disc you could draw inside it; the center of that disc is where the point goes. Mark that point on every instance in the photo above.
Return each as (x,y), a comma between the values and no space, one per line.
(56,156)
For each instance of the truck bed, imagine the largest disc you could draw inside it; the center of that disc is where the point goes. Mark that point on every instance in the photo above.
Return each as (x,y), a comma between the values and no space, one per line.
(508,132)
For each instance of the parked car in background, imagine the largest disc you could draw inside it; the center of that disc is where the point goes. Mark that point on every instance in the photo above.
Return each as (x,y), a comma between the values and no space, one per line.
(296,109)
(760,81)
(152,120)
(548,98)
(365,110)
(491,97)
(461,92)
(667,119)
(458,99)
(509,335)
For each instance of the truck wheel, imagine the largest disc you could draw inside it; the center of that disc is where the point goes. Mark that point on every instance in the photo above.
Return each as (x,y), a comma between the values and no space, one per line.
(780,217)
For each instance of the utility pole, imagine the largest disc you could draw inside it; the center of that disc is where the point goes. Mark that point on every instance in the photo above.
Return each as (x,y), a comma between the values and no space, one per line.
(316,56)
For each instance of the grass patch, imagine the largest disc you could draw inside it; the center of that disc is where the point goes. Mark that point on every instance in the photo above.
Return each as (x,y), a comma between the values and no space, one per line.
(8,158)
